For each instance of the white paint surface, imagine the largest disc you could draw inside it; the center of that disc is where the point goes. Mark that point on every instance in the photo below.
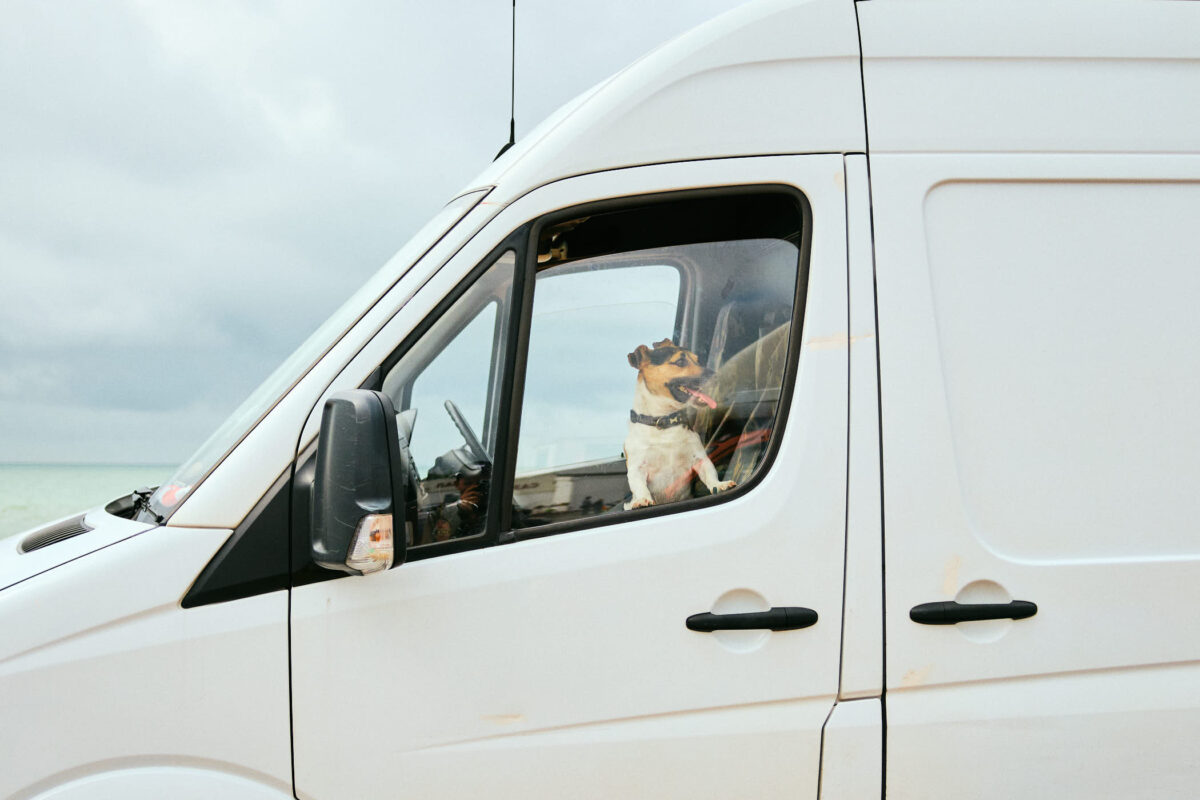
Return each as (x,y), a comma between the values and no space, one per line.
(562,666)
(1007,76)
(852,755)
(102,671)
(1037,352)
(862,634)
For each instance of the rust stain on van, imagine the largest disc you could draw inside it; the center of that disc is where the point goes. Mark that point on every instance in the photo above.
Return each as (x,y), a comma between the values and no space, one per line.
(504,719)
(950,576)
(916,677)
(835,342)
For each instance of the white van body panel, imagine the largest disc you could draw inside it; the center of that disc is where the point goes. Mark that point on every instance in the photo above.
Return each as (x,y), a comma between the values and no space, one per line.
(852,750)
(1035,191)
(764,78)
(561,666)
(1110,733)
(862,622)
(106,530)
(1072,76)
(102,671)
(1039,344)
(158,783)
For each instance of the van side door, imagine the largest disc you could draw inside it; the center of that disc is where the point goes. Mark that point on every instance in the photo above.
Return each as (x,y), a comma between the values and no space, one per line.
(550,635)
(1036,181)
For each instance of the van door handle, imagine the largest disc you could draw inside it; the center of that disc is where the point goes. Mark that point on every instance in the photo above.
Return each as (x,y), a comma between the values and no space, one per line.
(950,612)
(782,618)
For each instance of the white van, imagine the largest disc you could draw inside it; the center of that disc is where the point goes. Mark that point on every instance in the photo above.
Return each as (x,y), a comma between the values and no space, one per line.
(939,262)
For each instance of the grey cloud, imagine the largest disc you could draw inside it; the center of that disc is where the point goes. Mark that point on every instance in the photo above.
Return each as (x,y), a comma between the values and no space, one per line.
(189,188)
(89,81)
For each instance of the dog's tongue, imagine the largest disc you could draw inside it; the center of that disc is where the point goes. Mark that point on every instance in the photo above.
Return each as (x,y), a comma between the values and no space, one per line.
(701,397)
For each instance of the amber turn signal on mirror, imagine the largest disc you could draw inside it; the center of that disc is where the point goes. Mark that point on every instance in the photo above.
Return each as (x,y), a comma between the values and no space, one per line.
(372,550)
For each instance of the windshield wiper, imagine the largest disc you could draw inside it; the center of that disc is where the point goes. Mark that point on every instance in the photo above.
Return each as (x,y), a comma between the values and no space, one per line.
(141,503)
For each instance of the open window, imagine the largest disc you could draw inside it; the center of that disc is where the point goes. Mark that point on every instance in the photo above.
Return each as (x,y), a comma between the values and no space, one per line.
(447,388)
(658,354)
(633,358)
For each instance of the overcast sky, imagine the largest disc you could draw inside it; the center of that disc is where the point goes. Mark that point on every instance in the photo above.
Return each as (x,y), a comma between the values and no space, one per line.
(188,188)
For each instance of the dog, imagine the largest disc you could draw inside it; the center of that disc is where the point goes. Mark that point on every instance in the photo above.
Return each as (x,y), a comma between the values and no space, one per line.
(661,449)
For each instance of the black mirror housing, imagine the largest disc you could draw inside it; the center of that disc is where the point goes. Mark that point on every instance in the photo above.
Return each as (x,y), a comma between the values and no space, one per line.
(359,472)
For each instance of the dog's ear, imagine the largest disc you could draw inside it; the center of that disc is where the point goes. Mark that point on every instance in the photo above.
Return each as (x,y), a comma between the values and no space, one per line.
(664,343)
(638,357)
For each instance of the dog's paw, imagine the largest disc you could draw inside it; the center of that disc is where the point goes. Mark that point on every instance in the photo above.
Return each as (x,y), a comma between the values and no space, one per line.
(723,486)
(639,504)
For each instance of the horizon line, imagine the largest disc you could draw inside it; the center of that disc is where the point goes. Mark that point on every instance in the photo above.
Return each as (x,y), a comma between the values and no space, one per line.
(89,464)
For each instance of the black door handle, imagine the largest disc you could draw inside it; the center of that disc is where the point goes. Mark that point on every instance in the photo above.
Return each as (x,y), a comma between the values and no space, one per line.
(783,618)
(950,612)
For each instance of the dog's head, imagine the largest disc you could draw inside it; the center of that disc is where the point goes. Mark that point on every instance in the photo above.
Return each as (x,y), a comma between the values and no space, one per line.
(671,371)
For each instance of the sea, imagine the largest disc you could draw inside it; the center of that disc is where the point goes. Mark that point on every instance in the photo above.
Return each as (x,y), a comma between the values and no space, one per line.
(33,494)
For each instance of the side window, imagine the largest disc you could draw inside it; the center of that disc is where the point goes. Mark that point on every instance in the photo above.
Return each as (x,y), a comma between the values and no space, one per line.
(656,353)
(446,389)
(658,344)
(579,330)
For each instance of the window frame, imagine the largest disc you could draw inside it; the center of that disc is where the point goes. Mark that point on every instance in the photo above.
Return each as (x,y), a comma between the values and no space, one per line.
(517,242)
(494,364)
(498,528)
(791,366)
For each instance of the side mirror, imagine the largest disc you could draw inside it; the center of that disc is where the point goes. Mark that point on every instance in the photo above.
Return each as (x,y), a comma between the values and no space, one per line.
(358,488)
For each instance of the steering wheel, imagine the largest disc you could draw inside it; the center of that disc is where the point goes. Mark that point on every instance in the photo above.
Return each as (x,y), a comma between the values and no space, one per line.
(464,427)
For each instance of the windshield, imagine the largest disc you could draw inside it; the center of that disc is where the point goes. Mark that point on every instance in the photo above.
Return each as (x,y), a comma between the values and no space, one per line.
(172,493)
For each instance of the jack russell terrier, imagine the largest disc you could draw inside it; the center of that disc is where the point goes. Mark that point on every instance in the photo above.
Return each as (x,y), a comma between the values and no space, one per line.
(661,449)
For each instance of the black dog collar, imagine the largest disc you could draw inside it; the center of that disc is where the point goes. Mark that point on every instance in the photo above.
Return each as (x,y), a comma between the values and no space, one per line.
(662,423)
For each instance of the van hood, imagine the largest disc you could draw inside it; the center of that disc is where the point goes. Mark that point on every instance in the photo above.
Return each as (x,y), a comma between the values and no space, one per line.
(63,540)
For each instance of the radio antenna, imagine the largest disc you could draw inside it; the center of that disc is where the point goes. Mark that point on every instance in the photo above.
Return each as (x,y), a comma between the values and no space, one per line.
(512,109)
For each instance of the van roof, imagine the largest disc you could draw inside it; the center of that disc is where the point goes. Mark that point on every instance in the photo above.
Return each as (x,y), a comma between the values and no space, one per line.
(772,77)
(783,76)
